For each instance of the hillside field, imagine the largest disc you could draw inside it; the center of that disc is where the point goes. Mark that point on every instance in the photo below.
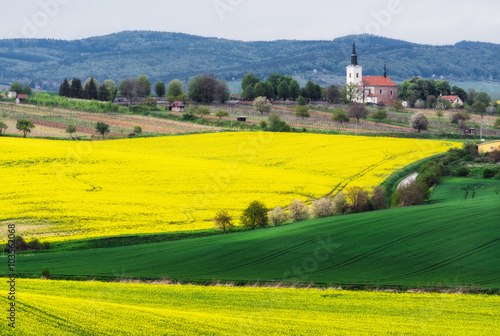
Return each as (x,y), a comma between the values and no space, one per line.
(93,308)
(445,244)
(58,190)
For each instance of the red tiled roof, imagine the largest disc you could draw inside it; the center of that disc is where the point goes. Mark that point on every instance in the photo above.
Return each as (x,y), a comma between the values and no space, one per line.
(377,81)
(178,104)
(450,98)
(372,95)
(22,96)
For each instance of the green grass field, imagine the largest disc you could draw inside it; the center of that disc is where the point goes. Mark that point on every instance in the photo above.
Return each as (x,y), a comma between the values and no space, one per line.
(95,308)
(449,243)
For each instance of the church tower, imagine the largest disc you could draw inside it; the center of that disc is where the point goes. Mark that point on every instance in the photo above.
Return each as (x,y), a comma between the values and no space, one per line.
(354,70)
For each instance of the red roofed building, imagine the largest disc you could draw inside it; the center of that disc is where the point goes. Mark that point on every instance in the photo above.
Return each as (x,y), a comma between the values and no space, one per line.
(371,89)
(21,97)
(453,100)
(177,106)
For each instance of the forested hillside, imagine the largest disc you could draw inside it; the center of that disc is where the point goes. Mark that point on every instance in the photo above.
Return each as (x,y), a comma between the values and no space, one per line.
(164,56)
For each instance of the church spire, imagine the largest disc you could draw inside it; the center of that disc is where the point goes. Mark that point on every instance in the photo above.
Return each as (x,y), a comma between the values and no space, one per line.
(385,71)
(354,56)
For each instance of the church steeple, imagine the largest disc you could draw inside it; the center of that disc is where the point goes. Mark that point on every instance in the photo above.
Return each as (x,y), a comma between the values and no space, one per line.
(385,71)
(354,56)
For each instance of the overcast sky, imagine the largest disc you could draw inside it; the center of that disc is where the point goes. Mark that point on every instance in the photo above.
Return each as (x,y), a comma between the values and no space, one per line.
(420,21)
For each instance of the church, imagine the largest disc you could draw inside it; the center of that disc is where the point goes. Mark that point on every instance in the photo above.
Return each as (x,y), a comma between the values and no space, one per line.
(371,89)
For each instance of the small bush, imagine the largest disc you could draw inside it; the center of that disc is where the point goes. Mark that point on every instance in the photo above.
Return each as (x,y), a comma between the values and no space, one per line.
(277,216)
(34,245)
(188,116)
(298,211)
(46,273)
(323,207)
(488,173)
(462,171)
(494,156)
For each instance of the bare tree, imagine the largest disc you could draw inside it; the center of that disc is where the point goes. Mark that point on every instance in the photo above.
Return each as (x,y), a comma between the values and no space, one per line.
(358,111)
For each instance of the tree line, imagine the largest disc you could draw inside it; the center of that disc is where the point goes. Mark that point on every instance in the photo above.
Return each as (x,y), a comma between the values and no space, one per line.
(425,93)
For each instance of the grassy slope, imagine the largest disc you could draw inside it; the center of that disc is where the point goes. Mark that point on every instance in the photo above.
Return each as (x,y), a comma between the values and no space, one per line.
(452,244)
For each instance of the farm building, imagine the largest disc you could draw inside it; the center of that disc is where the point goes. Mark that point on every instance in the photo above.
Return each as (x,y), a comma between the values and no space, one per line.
(372,89)
(469,130)
(489,146)
(21,97)
(177,106)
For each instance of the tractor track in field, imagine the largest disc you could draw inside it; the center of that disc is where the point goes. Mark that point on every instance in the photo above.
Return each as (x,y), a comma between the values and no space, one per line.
(376,250)
(449,261)
(266,258)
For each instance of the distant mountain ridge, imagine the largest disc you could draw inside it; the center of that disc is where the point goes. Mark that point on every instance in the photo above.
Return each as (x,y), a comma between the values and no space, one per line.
(165,56)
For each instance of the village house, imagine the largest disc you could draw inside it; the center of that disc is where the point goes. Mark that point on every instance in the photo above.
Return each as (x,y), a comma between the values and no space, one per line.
(489,146)
(371,89)
(177,106)
(453,100)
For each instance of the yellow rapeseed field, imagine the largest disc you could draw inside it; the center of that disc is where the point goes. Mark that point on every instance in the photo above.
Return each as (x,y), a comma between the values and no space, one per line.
(69,190)
(94,308)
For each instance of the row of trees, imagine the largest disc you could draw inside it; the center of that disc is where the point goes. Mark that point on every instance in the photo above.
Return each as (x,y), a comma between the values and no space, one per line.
(422,93)
(277,86)
(353,200)
(89,90)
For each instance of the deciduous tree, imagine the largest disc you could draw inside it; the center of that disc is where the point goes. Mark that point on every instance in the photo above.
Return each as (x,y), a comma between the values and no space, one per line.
(137,130)
(160,89)
(340,116)
(3,127)
(70,130)
(127,88)
(419,122)
(277,216)
(223,220)
(358,199)
(102,128)
(398,105)
(262,105)
(302,112)
(143,87)
(294,89)
(221,114)
(298,211)
(255,215)
(24,126)
(358,111)
(175,91)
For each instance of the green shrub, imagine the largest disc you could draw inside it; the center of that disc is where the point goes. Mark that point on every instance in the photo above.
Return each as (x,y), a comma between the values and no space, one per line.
(188,116)
(462,171)
(46,273)
(488,173)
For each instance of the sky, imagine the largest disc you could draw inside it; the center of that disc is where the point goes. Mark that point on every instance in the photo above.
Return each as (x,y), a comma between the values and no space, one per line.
(419,21)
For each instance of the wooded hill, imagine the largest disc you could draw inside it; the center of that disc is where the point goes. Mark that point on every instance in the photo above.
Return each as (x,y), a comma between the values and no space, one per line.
(164,56)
